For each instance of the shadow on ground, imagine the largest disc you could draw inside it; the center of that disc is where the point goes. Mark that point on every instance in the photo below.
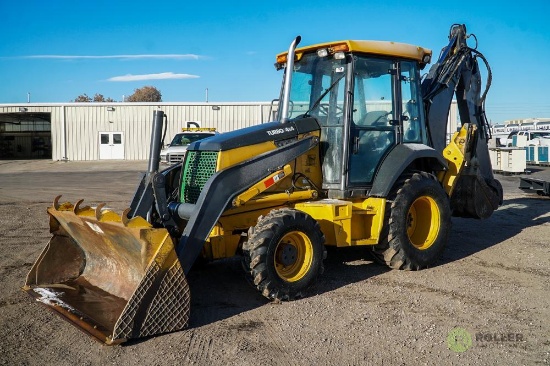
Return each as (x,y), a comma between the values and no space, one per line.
(220,290)
(469,236)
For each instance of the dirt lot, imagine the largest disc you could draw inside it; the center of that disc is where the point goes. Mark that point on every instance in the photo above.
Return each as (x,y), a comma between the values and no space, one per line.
(493,281)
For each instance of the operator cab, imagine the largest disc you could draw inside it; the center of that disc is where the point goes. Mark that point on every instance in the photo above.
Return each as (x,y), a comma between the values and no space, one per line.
(366,103)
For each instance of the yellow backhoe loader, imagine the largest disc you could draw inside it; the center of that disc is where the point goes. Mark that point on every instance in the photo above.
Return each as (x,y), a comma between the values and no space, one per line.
(358,156)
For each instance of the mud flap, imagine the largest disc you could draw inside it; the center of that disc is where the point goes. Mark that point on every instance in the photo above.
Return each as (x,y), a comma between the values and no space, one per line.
(114,278)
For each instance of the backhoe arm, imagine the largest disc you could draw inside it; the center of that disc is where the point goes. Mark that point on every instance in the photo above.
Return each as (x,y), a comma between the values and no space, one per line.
(476,193)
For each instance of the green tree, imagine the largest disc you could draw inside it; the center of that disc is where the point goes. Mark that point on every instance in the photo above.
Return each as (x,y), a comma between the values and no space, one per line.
(145,94)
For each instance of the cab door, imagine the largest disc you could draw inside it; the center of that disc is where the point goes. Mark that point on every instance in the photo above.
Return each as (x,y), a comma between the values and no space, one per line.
(373,128)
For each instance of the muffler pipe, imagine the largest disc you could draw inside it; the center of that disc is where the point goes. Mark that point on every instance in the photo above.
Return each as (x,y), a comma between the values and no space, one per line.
(143,200)
(288,79)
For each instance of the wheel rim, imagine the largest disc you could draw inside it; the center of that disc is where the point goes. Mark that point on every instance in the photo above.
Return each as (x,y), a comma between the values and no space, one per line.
(423,222)
(293,256)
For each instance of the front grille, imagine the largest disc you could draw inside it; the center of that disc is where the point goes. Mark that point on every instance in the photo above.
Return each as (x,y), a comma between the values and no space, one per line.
(198,167)
(175,157)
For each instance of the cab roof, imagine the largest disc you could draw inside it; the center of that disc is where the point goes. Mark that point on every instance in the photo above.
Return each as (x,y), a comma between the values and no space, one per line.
(385,48)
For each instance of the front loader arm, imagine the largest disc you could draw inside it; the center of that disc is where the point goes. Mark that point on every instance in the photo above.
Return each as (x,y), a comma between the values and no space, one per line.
(219,192)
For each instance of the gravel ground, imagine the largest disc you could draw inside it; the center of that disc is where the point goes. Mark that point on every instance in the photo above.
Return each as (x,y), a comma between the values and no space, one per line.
(492,282)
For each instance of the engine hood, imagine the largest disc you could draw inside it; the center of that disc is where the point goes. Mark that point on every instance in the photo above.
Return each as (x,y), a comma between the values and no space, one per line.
(271,131)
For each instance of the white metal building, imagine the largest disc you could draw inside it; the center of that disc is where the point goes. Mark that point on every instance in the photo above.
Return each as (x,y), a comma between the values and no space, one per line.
(528,124)
(97,131)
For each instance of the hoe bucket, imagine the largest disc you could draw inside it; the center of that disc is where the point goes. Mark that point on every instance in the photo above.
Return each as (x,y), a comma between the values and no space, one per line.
(112,277)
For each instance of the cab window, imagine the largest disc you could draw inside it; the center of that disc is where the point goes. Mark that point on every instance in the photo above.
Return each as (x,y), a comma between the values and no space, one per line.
(411,99)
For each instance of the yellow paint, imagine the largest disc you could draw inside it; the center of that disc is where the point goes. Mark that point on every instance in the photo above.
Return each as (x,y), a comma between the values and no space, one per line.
(85,211)
(260,187)
(346,223)
(293,256)
(308,164)
(371,47)
(423,222)
(231,157)
(221,244)
(137,222)
(198,129)
(368,220)
(454,154)
(224,240)
(108,215)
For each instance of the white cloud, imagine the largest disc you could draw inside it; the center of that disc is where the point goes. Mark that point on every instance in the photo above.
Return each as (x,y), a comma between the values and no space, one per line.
(160,76)
(187,56)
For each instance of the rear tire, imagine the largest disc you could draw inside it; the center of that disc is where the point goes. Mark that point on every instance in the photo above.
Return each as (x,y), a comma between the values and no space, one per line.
(284,253)
(417,224)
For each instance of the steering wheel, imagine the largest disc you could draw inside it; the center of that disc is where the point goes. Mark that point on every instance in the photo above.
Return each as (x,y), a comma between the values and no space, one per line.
(375,118)
(381,120)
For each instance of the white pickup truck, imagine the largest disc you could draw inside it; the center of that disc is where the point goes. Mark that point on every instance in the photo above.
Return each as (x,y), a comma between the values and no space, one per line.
(175,150)
(531,137)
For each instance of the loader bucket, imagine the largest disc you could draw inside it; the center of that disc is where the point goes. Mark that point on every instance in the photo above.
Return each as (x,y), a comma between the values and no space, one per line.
(114,278)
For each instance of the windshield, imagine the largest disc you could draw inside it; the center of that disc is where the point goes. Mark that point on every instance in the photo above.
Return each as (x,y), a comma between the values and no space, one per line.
(183,139)
(540,135)
(318,88)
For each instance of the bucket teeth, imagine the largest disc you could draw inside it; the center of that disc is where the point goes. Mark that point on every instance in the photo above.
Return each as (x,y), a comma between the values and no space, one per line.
(101,214)
(76,207)
(124,218)
(98,211)
(83,211)
(66,206)
(56,202)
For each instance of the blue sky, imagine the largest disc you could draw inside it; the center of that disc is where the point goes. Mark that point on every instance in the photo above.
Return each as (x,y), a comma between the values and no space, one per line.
(57,50)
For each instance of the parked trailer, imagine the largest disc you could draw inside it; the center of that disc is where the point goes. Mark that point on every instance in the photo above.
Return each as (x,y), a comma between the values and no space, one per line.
(538,186)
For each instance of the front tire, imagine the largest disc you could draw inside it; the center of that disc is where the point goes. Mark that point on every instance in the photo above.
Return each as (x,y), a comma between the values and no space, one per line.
(285,252)
(418,222)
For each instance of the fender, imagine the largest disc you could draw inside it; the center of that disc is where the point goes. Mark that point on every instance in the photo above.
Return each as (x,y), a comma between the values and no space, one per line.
(398,159)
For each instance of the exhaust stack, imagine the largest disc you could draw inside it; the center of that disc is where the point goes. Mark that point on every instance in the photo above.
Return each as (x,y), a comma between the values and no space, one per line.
(288,79)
